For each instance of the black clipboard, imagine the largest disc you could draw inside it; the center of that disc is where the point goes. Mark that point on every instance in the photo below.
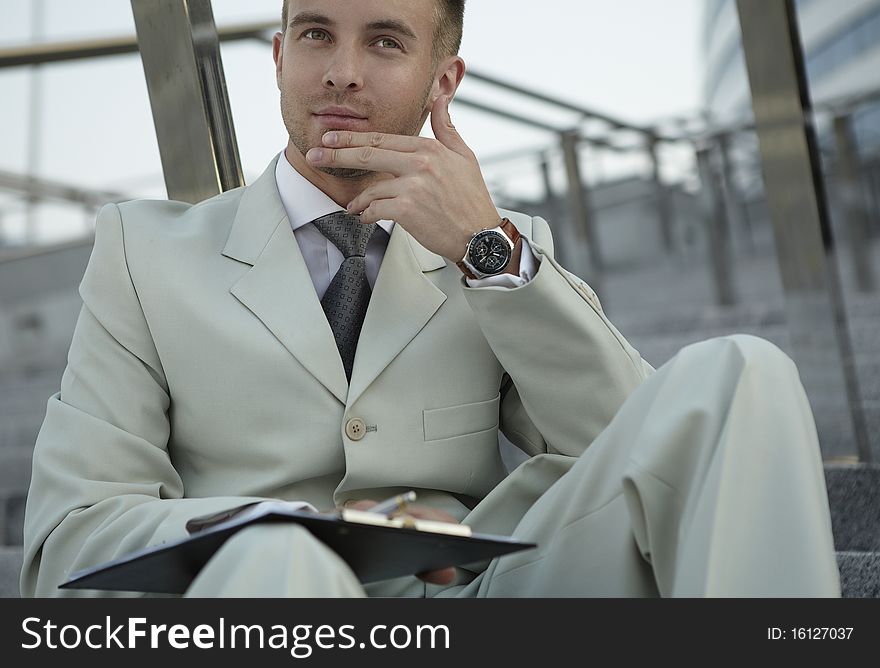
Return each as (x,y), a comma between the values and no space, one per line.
(373,552)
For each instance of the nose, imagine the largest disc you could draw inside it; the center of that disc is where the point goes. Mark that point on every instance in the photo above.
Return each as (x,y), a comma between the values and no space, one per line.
(344,70)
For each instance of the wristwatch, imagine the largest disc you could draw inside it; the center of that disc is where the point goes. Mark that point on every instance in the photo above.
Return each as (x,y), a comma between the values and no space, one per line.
(489,251)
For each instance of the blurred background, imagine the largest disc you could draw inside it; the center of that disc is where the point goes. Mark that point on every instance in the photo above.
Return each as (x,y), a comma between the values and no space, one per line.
(708,166)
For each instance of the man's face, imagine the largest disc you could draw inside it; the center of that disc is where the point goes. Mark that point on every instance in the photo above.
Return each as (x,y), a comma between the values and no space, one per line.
(363,66)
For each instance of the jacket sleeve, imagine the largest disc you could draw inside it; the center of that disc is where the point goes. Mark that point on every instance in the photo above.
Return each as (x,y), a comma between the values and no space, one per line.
(103,484)
(568,369)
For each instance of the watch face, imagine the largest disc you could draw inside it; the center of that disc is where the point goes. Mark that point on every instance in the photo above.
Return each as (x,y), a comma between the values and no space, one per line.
(490,252)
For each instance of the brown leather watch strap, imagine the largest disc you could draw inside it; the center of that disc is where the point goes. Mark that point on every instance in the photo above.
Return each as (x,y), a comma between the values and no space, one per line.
(512,233)
(464,269)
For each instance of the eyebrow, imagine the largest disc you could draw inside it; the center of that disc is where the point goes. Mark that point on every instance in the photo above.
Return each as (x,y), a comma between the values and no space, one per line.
(394,25)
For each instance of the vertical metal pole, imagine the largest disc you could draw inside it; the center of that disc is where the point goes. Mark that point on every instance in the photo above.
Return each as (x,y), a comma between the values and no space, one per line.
(854,205)
(664,212)
(872,177)
(734,202)
(181,56)
(89,214)
(579,206)
(552,205)
(798,210)
(35,126)
(545,178)
(718,229)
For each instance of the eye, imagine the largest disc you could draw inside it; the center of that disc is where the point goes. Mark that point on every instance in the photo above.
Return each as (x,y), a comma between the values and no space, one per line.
(315,34)
(386,41)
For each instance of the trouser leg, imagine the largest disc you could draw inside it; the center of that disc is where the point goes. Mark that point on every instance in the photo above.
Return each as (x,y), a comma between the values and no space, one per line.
(275,561)
(707,482)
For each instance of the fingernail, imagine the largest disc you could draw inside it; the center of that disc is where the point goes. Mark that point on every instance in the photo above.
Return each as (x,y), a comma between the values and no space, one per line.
(331,138)
(315,154)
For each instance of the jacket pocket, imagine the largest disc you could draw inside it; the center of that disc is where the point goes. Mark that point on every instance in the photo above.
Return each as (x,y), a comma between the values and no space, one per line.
(460,420)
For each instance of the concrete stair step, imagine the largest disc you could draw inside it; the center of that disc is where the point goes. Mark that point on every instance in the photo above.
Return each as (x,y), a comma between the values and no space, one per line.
(15,471)
(854,498)
(20,431)
(10,568)
(23,408)
(21,392)
(853,493)
(859,573)
(15,476)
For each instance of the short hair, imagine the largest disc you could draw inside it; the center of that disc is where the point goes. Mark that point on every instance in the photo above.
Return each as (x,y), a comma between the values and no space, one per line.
(449,28)
(447,32)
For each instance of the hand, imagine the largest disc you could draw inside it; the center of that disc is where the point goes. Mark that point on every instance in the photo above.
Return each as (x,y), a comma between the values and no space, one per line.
(442,576)
(433,188)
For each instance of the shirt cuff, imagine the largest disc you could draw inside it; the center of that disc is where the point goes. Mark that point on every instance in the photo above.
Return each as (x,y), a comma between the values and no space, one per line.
(528,267)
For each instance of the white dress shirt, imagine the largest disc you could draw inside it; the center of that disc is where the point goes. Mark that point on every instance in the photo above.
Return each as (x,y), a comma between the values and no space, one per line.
(304,202)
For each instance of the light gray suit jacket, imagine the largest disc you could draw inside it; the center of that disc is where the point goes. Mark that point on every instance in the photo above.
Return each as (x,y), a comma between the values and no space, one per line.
(203,373)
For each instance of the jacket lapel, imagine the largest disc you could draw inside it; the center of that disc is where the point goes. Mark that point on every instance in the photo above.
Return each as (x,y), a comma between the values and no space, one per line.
(278,288)
(402,303)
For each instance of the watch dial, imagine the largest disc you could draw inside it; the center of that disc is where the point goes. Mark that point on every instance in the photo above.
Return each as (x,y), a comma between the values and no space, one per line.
(491,254)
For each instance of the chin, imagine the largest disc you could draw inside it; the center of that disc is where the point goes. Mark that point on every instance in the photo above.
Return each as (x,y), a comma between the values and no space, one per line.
(346,173)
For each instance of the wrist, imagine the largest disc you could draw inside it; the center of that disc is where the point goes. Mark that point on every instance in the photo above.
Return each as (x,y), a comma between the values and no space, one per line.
(492,251)
(512,267)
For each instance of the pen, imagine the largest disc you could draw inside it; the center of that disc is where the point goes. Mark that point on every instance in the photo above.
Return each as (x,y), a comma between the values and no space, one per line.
(392,505)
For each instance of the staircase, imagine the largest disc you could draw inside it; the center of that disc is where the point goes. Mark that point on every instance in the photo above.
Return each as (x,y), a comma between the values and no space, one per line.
(22,407)
(854,497)
(853,492)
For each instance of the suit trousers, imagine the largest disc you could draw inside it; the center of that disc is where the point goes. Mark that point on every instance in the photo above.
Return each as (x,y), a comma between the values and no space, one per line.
(708,482)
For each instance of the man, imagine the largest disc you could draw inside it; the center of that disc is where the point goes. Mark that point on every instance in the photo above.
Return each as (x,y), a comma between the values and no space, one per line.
(268,343)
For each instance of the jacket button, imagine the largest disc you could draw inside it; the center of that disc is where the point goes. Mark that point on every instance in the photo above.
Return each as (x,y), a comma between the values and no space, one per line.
(355,429)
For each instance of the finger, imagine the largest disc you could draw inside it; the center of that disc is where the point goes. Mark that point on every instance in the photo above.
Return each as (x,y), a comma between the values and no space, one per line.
(349,139)
(444,130)
(362,504)
(365,157)
(380,209)
(388,189)
(428,513)
(359,504)
(443,576)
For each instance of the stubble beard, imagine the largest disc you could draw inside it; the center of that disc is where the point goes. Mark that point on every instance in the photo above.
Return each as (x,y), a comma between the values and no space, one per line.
(410,125)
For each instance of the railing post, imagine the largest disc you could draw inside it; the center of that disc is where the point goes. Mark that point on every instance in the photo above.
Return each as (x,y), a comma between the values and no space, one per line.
(798,210)
(181,56)
(732,198)
(853,203)
(579,206)
(717,227)
(664,209)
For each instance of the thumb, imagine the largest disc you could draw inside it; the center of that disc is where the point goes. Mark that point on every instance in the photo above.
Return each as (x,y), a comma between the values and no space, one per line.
(442,126)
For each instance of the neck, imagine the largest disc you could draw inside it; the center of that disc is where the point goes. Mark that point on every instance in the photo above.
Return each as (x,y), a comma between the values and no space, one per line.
(342,191)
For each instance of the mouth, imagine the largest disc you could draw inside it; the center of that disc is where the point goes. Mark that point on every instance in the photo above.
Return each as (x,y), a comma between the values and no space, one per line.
(339,117)
(339,111)
(336,122)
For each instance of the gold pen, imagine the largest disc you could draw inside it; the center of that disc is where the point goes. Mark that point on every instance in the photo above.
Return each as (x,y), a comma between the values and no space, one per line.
(390,506)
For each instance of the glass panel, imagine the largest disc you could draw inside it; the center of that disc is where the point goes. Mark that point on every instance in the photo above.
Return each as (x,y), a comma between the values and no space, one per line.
(682,247)
(686,81)
(841,41)
(83,124)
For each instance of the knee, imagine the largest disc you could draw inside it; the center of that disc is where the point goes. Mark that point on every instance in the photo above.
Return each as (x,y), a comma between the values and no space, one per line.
(751,354)
(730,368)
(271,542)
(754,347)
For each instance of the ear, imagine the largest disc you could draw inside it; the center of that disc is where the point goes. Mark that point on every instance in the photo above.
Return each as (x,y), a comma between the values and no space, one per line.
(277,54)
(450,72)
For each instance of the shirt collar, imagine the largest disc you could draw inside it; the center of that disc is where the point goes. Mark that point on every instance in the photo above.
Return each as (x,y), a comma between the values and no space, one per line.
(302,200)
